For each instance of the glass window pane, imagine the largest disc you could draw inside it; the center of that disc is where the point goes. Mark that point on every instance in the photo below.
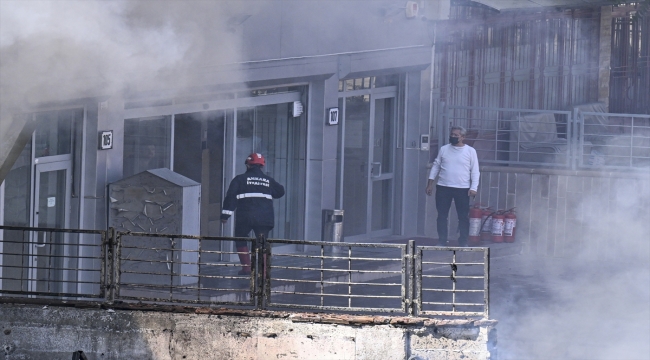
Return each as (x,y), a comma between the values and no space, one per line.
(146,144)
(53,135)
(199,155)
(384,134)
(382,197)
(17,190)
(355,169)
(271,131)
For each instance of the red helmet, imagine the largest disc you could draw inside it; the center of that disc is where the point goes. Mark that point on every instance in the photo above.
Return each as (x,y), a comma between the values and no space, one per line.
(255,159)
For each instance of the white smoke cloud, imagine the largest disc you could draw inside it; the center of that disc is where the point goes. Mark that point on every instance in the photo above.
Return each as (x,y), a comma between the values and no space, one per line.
(594,302)
(58,50)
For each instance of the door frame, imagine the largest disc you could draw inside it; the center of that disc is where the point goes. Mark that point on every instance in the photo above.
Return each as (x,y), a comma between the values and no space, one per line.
(374,180)
(387,92)
(43,165)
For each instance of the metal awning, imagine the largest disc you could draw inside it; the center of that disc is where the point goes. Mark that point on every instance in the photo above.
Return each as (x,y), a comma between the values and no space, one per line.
(531,4)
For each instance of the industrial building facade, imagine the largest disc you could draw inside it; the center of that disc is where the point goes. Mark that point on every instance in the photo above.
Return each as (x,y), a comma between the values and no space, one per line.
(346,120)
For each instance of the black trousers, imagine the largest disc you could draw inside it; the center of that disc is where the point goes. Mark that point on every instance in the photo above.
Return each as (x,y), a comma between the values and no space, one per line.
(444,196)
(244,228)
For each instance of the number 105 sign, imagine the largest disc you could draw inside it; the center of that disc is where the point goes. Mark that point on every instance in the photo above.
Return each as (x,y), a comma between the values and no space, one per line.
(106,139)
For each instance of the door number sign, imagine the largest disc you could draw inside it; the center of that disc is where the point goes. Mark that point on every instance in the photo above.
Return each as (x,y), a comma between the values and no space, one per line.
(106,140)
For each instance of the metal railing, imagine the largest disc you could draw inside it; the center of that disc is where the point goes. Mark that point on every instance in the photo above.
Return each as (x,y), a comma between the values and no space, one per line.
(577,139)
(452,282)
(613,140)
(53,263)
(163,268)
(147,268)
(340,277)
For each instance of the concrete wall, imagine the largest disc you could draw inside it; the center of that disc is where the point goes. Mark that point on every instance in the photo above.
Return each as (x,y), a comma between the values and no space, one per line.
(36,332)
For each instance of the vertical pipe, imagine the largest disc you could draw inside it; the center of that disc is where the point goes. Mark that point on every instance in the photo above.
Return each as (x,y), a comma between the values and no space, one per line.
(103,264)
(171,270)
(267,275)
(117,265)
(486,282)
(254,271)
(349,275)
(322,275)
(198,268)
(418,281)
(258,272)
(50,260)
(410,278)
(453,282)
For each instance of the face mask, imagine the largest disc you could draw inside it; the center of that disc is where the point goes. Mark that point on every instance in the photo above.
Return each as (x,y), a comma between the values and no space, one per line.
(453,140)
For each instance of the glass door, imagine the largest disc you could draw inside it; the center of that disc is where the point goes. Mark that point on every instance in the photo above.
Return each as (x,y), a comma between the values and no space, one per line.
(380,189)
(48,251)
(369,165)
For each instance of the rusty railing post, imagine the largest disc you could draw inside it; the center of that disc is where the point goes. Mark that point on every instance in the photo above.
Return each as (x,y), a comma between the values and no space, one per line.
(410,277)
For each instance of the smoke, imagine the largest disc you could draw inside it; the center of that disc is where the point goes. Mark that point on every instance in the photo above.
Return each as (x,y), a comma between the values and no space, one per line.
(59,50)
(593,303)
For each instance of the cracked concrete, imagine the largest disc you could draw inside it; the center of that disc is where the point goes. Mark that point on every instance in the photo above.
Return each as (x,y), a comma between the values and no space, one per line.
(55,332)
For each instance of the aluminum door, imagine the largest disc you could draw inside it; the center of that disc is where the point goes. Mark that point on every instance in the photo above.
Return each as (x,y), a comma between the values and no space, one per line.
(48,251)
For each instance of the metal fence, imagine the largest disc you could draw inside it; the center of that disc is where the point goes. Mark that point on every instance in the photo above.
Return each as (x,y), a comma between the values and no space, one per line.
(454,282)
(53,263)
(585,138)
(144,268)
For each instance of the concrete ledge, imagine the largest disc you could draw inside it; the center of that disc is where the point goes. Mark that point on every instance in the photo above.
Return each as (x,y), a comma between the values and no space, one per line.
(55,332)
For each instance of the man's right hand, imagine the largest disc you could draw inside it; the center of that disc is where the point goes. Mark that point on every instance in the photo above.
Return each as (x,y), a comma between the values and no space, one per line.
(429,189)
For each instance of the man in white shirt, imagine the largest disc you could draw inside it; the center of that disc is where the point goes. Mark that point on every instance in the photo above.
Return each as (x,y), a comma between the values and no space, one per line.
(457,165)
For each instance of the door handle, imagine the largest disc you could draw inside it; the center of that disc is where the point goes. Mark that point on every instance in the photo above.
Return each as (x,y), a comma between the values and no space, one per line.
(375,166)
(40,245)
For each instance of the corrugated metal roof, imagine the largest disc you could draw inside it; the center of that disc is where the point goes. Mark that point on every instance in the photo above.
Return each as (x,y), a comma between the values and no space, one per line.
(531,4)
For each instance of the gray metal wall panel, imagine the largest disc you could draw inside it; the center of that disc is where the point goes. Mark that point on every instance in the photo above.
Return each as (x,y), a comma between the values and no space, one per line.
(89,177)
(281,29)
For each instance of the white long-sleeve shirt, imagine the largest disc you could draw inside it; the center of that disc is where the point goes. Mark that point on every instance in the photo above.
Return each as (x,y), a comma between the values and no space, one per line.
(457,167)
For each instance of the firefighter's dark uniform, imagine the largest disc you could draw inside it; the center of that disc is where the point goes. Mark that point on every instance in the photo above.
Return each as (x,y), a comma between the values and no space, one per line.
(250,195)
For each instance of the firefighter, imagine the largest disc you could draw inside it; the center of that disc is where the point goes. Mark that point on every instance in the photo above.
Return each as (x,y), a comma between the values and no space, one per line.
(251,195)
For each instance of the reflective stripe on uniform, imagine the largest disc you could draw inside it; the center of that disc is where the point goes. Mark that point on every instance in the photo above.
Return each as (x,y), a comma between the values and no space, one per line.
(254,195)
(227,212)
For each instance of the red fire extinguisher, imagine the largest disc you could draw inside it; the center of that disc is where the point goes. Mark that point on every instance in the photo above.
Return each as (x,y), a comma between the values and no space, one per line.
(486,228)
(510,225)
(475,220)
(498,222)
